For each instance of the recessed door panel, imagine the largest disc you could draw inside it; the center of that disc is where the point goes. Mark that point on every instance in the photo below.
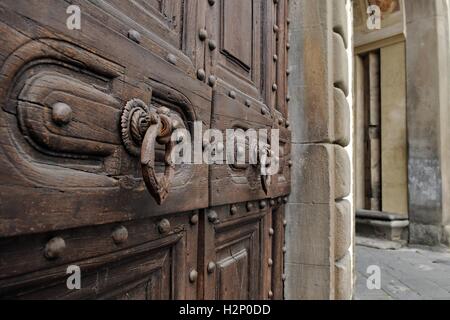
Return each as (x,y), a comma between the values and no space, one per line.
(144,259)
(237,38)
(166,27)
(239,45)
(237,252)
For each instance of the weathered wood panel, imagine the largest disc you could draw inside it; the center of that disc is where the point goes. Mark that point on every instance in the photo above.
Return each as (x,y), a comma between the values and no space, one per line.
(72,192)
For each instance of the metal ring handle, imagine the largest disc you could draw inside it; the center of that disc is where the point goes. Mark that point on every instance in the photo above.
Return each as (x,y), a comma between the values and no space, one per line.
(143,127)
(157,186)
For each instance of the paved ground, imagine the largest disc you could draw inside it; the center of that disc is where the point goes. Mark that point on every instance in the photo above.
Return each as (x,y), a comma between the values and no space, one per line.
(406,273)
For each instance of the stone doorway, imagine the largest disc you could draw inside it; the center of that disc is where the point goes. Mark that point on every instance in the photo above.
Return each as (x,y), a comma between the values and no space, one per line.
(380,130)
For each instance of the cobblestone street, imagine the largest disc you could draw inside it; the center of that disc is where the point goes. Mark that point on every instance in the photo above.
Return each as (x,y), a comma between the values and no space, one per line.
(406,273)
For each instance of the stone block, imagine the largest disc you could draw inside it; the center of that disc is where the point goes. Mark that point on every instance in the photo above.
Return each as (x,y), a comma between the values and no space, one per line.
(423,234)
(306,282)
(388,230)
(309,224)
(446,235)
(418,10)
(312,174)
(343,281)
(340,22)
(342,173)
(310,13)
(343,229)
(340,64)
(311,109)
(309,85)
(341,118)
(427,113)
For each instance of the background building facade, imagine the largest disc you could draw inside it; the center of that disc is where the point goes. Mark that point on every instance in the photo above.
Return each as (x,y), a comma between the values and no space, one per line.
(401,116)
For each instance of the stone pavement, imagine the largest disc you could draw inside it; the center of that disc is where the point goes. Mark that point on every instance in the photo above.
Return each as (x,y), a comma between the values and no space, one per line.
(406,273)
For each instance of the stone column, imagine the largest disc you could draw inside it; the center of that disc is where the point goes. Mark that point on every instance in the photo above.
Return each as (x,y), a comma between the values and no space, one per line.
(319,231)
(427,58)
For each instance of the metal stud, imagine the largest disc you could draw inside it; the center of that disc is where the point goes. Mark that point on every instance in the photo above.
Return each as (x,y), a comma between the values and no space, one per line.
(248,103)
(120,235)
(275,28)
(134,36)
(288,72)
(212,81)
(232,94)
(249,206)
(61,113)
(272,202)
(164,226)
(233,209)
(275,57)
(54,248)
(274,87)
(290,163)
(288,21)
(172,58)
(283,277)
(288,45)
(284,223)
(193,275)
(203,34)
(201,75)
(213,217)
(288,98)
(271,232)
(270,262)
(212,45)
(287,123)
(194,219)
(285,200)
(211,267)
(270,295)
(280,121)
(284,249)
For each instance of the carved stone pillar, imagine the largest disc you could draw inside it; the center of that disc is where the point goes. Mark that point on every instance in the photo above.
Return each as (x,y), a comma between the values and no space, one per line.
(319,231)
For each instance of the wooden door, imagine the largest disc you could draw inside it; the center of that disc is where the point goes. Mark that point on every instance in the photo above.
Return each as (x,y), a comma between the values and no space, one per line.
(84,178)
(245,55)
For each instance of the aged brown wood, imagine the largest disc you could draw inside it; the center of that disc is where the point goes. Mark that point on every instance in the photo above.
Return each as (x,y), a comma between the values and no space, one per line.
(71,188)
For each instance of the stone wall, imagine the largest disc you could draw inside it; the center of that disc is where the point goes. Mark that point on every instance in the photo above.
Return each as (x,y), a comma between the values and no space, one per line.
(320,223)
(427,61)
